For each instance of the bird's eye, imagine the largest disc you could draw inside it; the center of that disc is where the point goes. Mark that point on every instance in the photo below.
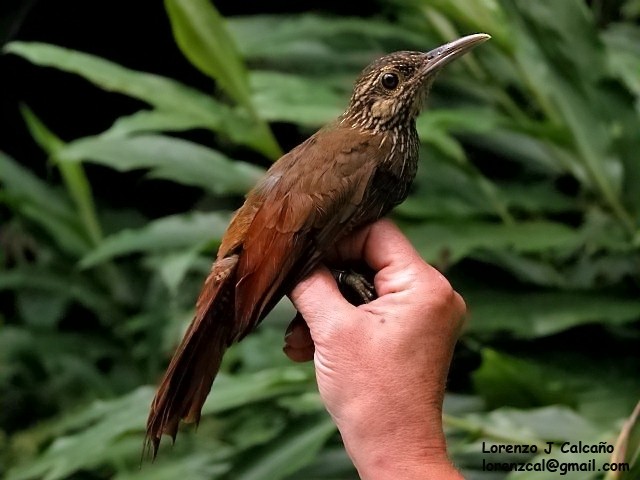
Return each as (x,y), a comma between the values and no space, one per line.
(389,81)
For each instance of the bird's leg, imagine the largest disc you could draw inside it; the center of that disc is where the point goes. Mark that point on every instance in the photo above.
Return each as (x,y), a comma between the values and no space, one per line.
(356,282)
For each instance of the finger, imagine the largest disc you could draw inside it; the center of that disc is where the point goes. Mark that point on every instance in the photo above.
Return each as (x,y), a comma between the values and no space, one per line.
(298,346)
(398,266)
(300,354)
(380,244)
(318,299)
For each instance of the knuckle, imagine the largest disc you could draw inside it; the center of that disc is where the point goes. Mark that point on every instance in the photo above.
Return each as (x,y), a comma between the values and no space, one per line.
(444,299)
(442,290)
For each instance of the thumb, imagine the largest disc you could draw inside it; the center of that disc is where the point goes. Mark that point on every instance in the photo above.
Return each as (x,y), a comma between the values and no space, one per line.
(319,300)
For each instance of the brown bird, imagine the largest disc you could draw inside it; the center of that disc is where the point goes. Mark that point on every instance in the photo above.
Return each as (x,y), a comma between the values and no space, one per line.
(349,174)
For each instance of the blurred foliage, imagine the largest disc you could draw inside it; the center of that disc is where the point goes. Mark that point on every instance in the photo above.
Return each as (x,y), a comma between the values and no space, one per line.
(527,196)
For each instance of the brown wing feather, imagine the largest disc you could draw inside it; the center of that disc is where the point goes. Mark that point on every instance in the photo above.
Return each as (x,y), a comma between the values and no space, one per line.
(300,217)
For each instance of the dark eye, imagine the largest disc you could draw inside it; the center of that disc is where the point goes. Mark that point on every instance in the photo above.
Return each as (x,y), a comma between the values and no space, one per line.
(389,81)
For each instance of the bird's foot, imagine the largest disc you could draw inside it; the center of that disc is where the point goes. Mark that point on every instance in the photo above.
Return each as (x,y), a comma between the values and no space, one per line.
(357,283)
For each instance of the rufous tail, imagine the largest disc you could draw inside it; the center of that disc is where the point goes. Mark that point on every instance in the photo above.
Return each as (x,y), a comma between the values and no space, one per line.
(196,362)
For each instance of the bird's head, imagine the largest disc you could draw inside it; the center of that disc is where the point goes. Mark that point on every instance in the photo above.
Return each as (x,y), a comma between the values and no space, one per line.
(390,92)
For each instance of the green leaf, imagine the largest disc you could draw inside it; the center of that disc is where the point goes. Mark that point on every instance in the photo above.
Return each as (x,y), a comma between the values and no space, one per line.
(232,391)
(479,16)
(536,154)
(174,266)
(27,188)
(447,190)
(627,448)
(44,137)
(459,120)
(506,380)
(530,270)
(182,231)
(453,241)
(46,206)
(169,158)
(599,387)
(555,25)
(564,80)
(281,97)
(623,54)
(104,422)
(555,311)
(61,284)
(538,198)
(331,463)
(316,41)
(202,36)
(509,426)
(161,92)
(296,449)
(41,309)
(145,121)
(197,465)
(74,178)
(552,423)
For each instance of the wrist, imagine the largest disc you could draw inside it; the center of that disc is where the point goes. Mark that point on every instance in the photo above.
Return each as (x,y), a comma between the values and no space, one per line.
(391,448)
(388,462)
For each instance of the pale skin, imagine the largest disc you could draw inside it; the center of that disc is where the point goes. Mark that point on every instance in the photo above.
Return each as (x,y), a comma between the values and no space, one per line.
(381,367)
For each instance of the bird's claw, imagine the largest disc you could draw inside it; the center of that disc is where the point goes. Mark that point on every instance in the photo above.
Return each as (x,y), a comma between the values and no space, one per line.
(357,282)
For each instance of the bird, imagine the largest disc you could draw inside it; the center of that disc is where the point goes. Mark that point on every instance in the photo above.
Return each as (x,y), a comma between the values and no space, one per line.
(350,173)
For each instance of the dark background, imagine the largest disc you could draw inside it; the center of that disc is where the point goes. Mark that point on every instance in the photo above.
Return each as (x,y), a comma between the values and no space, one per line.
(134,34)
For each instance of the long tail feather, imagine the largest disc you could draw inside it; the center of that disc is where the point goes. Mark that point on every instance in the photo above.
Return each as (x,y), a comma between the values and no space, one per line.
(188,379)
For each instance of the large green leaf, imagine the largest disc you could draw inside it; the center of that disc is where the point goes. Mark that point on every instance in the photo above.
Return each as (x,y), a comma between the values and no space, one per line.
(602,389)
(291,98)
(237,390)
(201,33)
(103,423)
(453,241)
(627,448)
(182,231)
(198,465)
(569,23)
(73,176)
(169,158)
(144,121)
(296,449)
(164,93)
(623,54)
(510,426)
(566,90)
(555,311)
(479,16)
(508,380)
(553,423)
(316,41)
(62,284)
(27,188)
(47,206)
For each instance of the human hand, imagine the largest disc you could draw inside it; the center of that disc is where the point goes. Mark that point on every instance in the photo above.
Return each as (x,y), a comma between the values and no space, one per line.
(381,367)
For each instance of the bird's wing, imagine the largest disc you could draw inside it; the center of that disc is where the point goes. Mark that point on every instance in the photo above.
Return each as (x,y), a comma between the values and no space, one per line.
(306,202)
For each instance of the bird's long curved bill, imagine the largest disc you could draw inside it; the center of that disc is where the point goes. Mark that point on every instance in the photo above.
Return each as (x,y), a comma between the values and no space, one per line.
(439,57)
